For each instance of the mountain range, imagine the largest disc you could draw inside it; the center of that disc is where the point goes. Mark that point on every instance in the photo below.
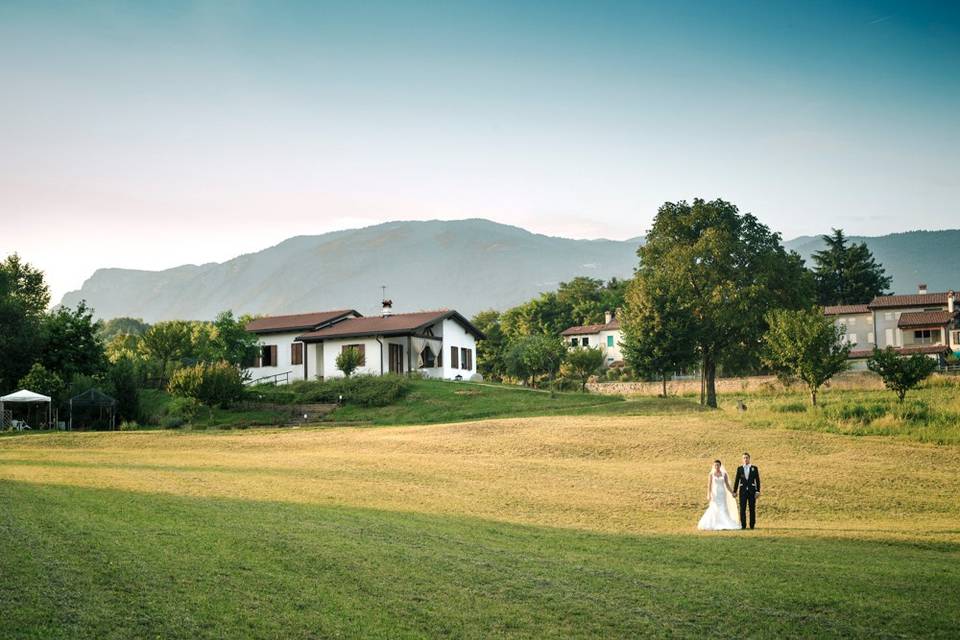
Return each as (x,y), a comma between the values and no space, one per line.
(468,265)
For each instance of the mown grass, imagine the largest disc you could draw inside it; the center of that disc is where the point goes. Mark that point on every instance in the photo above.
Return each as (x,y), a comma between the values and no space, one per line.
(99,563)
(433,401)
(559,526)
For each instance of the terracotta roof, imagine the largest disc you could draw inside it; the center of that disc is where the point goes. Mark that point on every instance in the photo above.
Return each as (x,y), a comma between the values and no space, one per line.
(911,300)
(924,319)
(296,322)
(589,329)
(846,309)
(396,324)
(905,351)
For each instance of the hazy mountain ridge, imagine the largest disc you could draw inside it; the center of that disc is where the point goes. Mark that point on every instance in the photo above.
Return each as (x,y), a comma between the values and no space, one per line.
(468,265)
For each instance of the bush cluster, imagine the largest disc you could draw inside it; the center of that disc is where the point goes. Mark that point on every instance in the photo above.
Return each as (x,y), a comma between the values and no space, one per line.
(219,383)
(364,391)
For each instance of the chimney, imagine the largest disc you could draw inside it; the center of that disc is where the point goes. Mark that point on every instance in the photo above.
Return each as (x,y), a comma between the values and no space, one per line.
(607,317)
(387,308)
(922,289)
(950,297)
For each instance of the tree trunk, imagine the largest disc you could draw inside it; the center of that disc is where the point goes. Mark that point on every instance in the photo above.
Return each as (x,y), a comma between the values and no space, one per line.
(703,381)
(710,378)
(663,376)
(813,396)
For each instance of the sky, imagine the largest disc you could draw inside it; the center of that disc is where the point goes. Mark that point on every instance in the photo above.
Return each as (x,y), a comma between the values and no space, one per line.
(152,134)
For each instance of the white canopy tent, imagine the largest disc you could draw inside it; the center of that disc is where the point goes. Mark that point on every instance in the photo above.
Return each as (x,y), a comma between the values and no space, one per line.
(27,397)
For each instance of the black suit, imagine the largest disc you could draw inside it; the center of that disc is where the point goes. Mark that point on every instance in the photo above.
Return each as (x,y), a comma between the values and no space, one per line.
(748,494)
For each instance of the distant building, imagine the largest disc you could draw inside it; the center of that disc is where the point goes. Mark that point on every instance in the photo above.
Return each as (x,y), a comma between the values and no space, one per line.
(438,344)
(925,323)
(605,336)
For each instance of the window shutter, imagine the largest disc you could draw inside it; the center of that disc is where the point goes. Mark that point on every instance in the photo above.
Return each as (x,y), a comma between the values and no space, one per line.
(362,348)
(296,353)
(273,355)
(454,358)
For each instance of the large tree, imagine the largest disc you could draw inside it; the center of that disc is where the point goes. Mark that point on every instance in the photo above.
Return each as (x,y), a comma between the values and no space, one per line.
(165,343)
(847,273)
(24,297)
(492,350)
(805,344)
(658,333)
(725,269)
(71,342)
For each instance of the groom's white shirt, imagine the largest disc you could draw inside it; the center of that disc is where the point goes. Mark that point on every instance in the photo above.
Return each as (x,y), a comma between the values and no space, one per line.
(746,471)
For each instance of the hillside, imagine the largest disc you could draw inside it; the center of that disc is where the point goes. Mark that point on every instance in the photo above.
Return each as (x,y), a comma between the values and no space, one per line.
(469,265)
(930,257)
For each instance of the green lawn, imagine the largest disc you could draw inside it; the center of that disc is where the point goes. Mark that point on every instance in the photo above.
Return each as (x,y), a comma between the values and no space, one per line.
(94,563)
(432,401)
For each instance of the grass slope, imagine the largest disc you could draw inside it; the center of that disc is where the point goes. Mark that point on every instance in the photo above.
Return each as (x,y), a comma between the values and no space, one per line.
(95,563)
(577,526)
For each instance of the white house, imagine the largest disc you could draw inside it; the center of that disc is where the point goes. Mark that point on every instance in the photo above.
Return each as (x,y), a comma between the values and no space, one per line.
(925,323)
(605,336)
(438,344)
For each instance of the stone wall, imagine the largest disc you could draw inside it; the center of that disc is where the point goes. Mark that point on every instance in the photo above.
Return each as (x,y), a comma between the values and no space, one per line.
(751,384)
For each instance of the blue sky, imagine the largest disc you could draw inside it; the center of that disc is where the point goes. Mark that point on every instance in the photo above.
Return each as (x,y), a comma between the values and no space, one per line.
(153,134)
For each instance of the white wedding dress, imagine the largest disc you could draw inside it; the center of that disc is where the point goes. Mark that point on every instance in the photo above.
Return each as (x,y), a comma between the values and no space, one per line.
(718,514)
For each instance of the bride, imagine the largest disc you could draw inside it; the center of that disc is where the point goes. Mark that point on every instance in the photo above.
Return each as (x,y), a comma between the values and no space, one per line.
(720,496)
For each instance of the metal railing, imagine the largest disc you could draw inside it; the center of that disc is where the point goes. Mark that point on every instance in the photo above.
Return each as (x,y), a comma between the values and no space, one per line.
(274,379)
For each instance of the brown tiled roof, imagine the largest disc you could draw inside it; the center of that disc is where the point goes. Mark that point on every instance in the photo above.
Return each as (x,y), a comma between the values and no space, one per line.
(846,309)
(904,351)
(589,329)
(296,322)
(924,319)
(396,324)
(910,300)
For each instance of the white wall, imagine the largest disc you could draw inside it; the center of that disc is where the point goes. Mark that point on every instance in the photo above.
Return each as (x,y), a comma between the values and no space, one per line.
(611,354)
(332,348)
(282,342)
(454,335)
(857,329)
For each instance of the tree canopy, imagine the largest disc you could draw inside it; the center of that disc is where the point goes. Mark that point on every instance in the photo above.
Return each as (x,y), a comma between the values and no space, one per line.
(726,270)
(805,344)
(847,273)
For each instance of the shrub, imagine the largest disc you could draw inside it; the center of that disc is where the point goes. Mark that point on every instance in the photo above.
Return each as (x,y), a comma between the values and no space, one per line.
(180,411)
(856,412)
(129,425)
(219,383)
(791,407)
(900,374)
(348,360)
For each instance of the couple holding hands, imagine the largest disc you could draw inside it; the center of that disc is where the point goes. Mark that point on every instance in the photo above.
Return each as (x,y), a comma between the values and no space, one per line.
(720,496)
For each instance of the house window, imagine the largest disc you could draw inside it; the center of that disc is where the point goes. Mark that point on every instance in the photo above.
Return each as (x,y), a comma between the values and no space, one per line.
(268,355)
(956,337)
(609,341)
(923,336)
(440,357)
(361,349)
(296,353)
(585,341)
(427,359)
(851,322)
(573,342)
(466,359)
(888,315)
(870,337)
(454,358)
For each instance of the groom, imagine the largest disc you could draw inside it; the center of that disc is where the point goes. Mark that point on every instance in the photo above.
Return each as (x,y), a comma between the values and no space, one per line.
(749,477)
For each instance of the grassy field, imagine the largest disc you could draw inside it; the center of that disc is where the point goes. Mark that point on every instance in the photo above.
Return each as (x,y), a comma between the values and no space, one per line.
(573,526)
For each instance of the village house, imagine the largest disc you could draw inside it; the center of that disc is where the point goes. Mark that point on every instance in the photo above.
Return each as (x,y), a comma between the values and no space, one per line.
(924,322)
(605,336)
(437,344)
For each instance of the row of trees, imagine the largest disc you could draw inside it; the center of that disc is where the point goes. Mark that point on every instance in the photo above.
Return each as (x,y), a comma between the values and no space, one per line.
(65,351)
(523,343)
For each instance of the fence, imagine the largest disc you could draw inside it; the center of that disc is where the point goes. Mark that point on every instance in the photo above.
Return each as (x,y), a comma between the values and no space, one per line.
(683,387)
